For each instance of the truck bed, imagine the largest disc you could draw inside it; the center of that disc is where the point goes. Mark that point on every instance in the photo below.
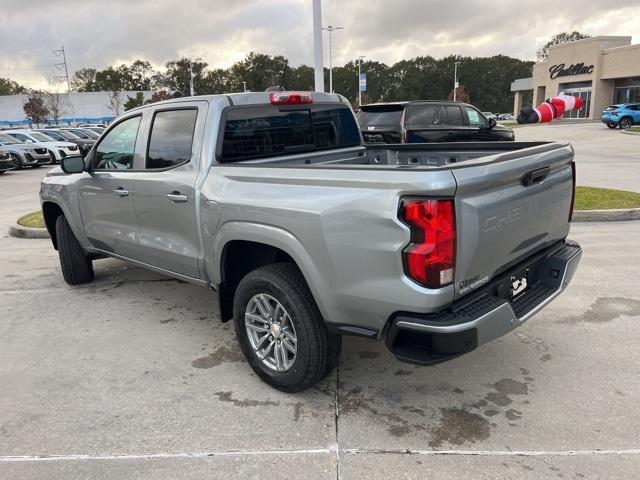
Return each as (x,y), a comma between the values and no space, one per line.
(432,155)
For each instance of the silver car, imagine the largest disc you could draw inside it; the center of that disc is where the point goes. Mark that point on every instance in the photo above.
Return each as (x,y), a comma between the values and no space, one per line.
(57,149)
(24,154)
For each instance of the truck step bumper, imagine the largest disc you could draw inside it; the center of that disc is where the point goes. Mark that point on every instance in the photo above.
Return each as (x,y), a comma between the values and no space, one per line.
(489,314)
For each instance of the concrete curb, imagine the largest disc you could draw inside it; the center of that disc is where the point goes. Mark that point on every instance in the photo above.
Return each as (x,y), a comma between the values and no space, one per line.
(606,215)
(27,232)
(627,132)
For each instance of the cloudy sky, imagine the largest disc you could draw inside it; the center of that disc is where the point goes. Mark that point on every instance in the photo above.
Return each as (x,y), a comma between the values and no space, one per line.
(100,33)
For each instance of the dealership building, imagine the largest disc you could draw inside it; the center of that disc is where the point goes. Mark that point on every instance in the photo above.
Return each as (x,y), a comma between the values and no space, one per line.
(601,70)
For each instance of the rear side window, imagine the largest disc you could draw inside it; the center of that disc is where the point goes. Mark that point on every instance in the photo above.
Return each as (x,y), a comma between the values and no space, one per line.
(380,115)
(264,131)
(420,114)
(171,138)
(452,115)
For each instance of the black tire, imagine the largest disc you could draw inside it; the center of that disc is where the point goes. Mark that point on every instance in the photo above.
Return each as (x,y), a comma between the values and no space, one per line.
(76,266)
(37,165)
(612,125)
(317,349)
(17,163)
(625,123)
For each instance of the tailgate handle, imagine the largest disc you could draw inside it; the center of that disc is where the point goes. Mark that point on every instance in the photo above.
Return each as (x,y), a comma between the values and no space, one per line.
(535,176)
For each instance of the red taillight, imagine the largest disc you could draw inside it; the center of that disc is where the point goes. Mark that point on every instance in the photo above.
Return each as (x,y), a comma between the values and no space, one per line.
(573,192)
(290,98)
(430,257)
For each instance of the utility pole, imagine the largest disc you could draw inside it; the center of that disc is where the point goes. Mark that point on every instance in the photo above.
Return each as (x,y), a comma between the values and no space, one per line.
(244,86)
(317,46)
(191,78)
(455,79)
(62,65)
(360,73)
(331,29)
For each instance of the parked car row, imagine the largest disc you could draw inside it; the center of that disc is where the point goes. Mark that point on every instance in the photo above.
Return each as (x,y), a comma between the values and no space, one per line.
(33,148)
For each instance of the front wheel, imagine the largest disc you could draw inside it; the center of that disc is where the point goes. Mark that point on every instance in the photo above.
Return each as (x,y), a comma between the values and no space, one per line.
(626,123)
(280,329)
(76,265)
(612,125)
(17,163)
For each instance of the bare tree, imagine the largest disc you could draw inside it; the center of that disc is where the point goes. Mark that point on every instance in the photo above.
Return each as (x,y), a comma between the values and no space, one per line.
(116,102)
(57,103)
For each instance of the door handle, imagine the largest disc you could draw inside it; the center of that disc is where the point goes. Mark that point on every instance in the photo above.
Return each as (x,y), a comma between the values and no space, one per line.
(177,197)
(121,192)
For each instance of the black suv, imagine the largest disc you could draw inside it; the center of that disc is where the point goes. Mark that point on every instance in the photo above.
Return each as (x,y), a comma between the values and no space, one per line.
(423,121)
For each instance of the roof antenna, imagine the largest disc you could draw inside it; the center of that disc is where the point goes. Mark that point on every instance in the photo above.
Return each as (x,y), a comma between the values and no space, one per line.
(280,88)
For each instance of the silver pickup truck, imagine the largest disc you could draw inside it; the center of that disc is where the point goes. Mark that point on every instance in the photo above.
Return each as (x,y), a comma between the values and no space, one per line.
(272,200)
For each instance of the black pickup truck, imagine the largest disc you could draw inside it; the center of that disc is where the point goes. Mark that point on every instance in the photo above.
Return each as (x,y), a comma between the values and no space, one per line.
(423,121)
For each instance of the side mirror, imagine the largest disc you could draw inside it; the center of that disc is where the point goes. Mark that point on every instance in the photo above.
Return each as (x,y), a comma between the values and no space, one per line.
(492,123)
(73,164)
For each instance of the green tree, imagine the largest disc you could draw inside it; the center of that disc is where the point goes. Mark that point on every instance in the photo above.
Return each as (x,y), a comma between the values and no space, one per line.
(9,87)
(135,101)
(178,75)
(557,39)
(35,110)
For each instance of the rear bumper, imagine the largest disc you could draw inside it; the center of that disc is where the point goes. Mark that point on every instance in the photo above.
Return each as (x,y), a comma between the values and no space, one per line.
(469,323)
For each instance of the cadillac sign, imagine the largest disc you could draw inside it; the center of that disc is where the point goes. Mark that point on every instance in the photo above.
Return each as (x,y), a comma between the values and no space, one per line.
(574,69)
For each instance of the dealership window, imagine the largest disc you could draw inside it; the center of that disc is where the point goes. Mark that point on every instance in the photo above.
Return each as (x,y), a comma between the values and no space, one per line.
(626,90)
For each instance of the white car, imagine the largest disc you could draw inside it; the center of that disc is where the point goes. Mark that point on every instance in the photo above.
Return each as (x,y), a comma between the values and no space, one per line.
(57,149)
(489,115)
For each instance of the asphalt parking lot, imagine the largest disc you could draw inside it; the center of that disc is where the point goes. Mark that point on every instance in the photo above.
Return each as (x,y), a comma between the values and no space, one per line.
(133,376)
(605,157)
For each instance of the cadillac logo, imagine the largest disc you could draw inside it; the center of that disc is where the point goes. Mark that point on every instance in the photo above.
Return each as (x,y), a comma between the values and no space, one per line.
(574,69)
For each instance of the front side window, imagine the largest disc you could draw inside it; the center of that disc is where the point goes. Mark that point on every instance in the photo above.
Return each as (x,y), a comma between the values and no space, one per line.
(264,131)
(171,138)
(117,148)
(474,117)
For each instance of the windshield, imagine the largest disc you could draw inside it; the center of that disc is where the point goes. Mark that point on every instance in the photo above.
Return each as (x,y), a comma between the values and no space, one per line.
(40,137)
(67,135)
(79,133)
(4,138)
(90,133)
(382,115)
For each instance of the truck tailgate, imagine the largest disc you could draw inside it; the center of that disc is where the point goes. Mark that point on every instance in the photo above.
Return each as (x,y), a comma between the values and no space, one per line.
(509,207)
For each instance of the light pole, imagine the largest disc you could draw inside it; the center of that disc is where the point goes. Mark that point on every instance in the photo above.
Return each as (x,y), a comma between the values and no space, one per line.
(359,73)
(455,79)
(331,29)
(318,59)
(244,87)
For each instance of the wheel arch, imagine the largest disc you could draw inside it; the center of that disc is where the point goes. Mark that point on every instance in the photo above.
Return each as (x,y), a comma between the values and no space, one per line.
(245,247)
(51,211)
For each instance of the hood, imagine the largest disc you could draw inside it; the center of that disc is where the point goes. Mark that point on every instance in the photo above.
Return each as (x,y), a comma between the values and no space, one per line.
(55,172)
(22,147)
(502,128)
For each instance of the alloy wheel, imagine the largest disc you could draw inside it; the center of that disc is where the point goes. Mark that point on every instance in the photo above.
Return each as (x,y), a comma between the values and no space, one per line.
(271,333)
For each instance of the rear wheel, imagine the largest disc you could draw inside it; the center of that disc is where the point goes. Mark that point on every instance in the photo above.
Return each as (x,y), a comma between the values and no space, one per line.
(76,265)
(17,163)
(280,329)
(626,123)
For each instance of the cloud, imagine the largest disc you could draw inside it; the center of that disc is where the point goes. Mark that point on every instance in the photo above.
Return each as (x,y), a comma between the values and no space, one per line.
(99,33)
